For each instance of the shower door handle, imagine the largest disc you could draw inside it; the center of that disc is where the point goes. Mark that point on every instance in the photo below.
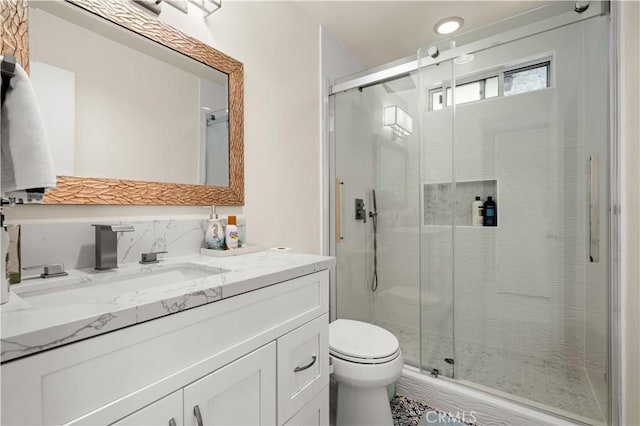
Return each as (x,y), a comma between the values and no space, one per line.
(338,212)
(594,209)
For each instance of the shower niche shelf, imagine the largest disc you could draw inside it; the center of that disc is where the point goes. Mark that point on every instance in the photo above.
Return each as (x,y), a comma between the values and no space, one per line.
(438,202)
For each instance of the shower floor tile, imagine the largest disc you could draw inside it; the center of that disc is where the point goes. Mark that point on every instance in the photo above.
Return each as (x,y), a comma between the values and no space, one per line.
(550,383)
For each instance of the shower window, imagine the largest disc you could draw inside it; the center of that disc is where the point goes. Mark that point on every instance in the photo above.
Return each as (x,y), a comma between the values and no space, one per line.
(508,82)
(526,79)
(467,92)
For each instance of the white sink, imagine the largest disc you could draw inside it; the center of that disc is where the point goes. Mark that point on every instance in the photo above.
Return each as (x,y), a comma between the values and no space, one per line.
(102,286)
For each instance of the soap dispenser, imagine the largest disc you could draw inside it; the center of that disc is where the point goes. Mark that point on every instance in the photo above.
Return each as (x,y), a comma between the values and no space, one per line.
(214,233)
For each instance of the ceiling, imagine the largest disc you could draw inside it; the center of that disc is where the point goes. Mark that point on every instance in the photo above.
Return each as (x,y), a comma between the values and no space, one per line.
(378,32)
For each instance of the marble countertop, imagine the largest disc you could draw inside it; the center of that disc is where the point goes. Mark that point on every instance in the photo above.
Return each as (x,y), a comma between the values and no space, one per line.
(27,329)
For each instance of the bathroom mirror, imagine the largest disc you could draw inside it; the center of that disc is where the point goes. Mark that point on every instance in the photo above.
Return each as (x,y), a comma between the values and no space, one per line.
(136,112)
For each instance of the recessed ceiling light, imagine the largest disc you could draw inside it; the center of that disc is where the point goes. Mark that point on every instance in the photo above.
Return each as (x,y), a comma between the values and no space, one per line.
(448,25)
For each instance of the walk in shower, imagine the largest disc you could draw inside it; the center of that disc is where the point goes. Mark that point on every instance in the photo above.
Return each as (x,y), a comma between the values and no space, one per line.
(518,112)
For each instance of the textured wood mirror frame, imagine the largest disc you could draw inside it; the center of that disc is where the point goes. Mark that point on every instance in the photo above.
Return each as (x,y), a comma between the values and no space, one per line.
(81,190)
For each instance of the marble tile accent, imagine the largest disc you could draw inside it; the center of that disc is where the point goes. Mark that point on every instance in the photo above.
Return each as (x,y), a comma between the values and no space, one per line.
(28,327)
(73,243)
(438,206)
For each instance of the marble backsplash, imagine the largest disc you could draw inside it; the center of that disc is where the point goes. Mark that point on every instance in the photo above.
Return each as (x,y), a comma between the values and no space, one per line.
(73,243)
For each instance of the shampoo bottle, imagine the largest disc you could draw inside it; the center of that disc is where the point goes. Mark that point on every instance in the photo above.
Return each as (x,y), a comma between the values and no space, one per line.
(490,211)
(214,234)
(231,233)
(476,212)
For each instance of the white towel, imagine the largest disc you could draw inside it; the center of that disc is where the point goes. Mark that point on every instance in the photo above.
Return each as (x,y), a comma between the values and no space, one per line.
(26,158)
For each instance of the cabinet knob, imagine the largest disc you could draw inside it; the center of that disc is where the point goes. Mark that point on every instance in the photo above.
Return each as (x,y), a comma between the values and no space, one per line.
(196,412)
(172,422)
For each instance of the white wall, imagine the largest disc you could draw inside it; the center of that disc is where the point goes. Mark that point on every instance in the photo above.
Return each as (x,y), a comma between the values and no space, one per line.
(630,208)
(278,45)
(337,60)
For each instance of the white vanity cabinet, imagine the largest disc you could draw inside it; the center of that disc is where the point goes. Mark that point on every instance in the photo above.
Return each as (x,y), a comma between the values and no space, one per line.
(260,357)
(241,393)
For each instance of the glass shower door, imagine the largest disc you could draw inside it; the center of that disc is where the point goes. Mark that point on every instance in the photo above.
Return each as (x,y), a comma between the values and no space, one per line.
(377,247)
(530,293)
(437,192)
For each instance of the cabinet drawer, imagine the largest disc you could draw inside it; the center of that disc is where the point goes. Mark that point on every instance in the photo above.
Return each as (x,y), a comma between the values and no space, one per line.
(303,366)
(315,413)
(161,412)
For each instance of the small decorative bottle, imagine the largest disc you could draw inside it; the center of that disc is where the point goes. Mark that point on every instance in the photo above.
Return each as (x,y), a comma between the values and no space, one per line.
(13,262)
(242,231)
(214,234)
(231,233)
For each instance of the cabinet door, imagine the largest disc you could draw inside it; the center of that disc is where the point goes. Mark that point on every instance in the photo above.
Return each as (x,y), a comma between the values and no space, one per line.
(240,393)
(315,413)
(165,412)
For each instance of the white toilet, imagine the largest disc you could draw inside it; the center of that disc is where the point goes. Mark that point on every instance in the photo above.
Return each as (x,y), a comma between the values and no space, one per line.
(366,358)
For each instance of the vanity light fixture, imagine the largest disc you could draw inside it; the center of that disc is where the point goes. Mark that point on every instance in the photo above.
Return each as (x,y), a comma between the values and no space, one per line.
(448,25)
(400,122)
(207,6)
(181,5)
(152,6)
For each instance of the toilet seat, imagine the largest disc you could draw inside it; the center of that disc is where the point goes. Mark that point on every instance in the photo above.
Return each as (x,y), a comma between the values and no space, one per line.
(357,360)
(362,343)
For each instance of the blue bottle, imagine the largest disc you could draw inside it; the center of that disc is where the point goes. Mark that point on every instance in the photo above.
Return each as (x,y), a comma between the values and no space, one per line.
(490,217)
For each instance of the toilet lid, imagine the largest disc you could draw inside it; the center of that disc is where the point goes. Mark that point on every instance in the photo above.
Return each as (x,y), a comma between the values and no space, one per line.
(358,340)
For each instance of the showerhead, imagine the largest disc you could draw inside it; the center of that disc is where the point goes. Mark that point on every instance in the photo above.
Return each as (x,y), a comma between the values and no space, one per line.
(373,199)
